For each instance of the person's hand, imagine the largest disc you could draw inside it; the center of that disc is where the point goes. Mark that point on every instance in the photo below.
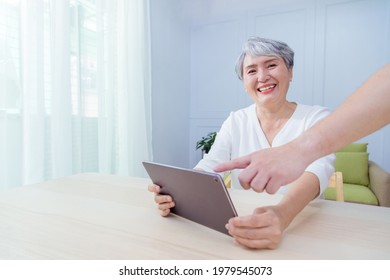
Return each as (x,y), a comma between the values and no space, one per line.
(261,230)
(268,169)
(165,202)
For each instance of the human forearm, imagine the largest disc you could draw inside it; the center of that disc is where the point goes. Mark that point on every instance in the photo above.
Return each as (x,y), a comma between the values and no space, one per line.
(265,227)
(299,194)
(365,111)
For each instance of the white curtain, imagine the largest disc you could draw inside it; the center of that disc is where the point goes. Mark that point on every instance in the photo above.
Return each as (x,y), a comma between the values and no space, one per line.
(75,89)
(126,131)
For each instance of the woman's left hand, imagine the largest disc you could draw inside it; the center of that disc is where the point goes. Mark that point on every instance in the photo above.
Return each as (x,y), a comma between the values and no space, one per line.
(261,230)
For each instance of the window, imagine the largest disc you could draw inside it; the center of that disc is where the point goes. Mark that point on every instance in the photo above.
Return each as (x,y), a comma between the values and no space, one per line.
(10,95)
(63,107)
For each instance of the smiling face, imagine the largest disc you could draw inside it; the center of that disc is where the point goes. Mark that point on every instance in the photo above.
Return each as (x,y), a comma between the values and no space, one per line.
(266,79)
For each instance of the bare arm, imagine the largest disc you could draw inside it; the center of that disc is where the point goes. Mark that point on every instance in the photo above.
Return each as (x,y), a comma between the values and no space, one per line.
(362,113)
(265,227)
(365,111)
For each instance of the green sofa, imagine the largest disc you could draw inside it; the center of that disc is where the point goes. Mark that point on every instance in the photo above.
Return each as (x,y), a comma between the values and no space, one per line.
(364,181)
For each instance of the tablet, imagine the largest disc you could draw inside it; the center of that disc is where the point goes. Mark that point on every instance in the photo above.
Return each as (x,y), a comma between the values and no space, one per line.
(199,196)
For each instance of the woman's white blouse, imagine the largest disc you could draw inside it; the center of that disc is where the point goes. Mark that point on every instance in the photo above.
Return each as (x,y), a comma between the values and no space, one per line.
(241,134)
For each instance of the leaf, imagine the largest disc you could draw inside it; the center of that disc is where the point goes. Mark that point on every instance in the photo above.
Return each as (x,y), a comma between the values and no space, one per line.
(206,142)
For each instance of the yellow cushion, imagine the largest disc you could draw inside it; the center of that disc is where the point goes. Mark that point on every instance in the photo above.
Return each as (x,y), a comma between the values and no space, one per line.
(354,193)
(354,166)
(355,147)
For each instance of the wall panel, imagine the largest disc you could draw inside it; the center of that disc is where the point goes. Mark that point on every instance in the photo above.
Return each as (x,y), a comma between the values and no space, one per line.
(215,89)
(355,46)
(295,34)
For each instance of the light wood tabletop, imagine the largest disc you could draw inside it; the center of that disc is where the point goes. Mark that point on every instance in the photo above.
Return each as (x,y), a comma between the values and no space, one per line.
(97,216)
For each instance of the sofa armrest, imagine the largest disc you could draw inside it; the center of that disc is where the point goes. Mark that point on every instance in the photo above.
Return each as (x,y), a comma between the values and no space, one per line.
(379,183)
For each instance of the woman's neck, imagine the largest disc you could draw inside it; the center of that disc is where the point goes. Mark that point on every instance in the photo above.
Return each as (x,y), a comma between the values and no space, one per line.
(276,113)
(272,121)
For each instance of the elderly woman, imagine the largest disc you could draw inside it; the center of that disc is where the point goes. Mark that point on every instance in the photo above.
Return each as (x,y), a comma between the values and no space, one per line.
(266,69)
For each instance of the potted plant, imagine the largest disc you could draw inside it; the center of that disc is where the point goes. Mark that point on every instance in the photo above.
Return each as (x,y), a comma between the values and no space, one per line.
(205,145)
(206,142)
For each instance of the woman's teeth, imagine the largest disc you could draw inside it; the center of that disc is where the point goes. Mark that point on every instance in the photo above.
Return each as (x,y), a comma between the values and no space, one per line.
(266,88)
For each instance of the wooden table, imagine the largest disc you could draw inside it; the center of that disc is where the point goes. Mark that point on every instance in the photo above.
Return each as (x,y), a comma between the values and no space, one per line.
(96,216)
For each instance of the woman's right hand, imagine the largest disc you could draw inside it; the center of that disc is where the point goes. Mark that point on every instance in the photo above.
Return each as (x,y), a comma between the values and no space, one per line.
(164,202)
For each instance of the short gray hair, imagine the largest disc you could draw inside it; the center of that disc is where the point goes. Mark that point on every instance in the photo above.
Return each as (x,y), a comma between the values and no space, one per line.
(256,46)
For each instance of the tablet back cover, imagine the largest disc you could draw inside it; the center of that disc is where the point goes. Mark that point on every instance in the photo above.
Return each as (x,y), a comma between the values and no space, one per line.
(199,196)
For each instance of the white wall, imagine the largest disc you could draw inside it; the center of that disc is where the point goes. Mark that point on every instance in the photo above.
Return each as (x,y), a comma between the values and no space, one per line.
(170,38)
(338,44)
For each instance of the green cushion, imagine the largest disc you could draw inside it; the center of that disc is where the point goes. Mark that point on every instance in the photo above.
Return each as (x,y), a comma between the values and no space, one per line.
(355,147)
(354,166)
(353,193)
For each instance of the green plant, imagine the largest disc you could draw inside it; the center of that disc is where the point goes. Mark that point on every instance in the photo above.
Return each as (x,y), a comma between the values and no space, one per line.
(206,142)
